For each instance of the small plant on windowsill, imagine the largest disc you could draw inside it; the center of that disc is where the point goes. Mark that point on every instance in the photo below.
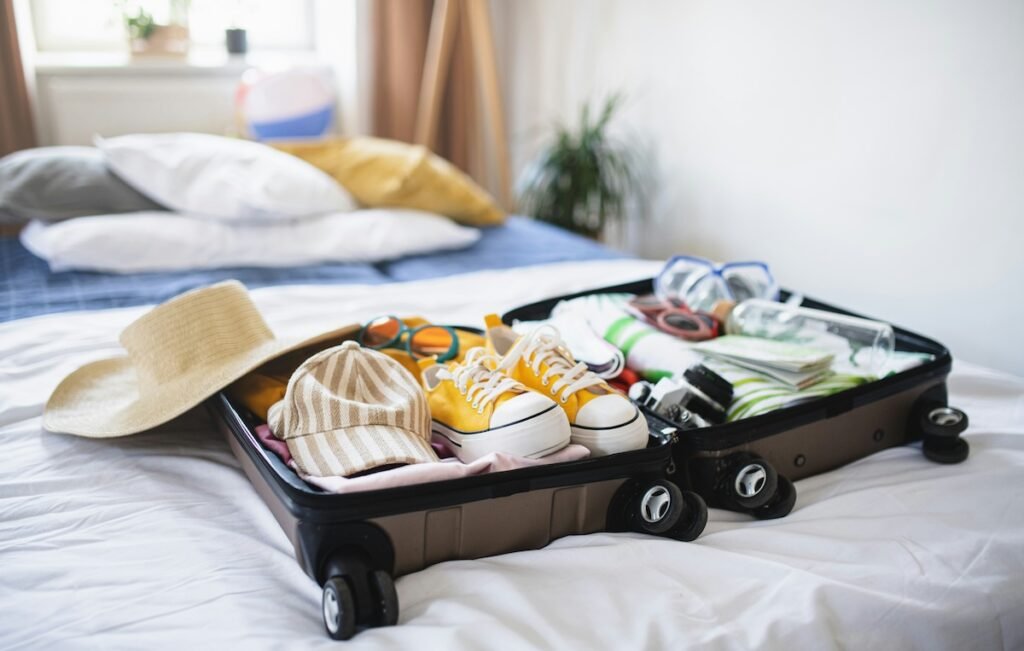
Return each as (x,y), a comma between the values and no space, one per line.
(583,180)
(146,37)
(140,26)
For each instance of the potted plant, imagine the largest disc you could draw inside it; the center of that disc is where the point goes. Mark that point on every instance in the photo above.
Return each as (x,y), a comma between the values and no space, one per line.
(237,40)
(147,37)
(583,179)
(235,36)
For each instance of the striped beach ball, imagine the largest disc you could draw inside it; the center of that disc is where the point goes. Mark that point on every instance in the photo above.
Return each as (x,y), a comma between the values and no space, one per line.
(289,105)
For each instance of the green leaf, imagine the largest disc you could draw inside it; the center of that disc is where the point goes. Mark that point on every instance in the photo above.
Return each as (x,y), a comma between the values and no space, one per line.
(583,179)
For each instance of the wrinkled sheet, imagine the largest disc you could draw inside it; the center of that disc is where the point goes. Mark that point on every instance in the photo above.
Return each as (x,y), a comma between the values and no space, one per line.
(159,541)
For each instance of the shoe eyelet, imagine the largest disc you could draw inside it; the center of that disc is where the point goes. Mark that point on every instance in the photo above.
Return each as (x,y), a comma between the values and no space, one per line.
(564,399)
(553,391)
(545,382)
(476,405)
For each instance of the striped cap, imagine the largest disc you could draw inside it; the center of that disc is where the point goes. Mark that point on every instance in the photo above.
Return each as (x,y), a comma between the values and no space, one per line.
(348,409)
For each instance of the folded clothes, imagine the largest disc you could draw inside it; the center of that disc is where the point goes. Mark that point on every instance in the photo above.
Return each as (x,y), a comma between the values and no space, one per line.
(422,473)
(654,354)
(649,352)
(755,394)
(274,444)
(258,390)
(418,473)
(587,345)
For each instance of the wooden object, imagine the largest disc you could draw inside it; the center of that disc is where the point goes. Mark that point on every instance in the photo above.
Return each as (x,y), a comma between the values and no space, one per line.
(444,23)
(165,41)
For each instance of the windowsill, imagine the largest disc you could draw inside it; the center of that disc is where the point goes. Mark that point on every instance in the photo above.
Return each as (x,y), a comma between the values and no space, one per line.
(200,62)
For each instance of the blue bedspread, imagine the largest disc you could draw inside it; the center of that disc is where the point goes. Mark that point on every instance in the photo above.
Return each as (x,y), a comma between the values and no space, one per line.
(28,288)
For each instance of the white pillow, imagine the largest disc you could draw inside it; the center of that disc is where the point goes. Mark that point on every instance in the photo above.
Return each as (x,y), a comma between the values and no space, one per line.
(222,178)
(161,241)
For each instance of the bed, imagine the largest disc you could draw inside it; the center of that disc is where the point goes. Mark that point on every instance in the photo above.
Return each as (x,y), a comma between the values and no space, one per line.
(158,540)
(27,288)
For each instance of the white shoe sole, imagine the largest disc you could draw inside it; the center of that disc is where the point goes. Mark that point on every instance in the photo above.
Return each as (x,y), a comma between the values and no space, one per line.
(533,437)
(609,440)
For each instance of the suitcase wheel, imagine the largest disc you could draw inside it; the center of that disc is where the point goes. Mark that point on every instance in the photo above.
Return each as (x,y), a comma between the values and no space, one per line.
(946,450)
(781,502)
(356,597)
(383,588)
(691,526)
(660,508)
(339,609)
(941,428)
(751,481)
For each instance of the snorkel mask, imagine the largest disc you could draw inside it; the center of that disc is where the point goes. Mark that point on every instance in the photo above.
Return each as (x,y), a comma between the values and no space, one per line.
(699,283)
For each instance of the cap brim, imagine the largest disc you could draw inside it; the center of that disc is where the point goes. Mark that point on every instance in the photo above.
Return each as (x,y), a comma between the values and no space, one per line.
(103,399)
(346,451)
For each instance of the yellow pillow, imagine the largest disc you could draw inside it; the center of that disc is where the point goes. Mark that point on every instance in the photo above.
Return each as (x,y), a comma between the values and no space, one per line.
(388,173)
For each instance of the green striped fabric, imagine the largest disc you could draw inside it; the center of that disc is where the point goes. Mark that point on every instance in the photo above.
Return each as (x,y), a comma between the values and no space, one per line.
(754,393)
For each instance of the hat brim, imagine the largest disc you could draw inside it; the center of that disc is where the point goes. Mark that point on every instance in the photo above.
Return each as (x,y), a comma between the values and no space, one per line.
(103,399)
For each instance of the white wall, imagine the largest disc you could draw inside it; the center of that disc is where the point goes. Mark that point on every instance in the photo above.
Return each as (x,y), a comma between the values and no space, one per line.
(872,151)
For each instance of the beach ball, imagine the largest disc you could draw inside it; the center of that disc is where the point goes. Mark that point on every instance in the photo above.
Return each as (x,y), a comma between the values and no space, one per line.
(288,105)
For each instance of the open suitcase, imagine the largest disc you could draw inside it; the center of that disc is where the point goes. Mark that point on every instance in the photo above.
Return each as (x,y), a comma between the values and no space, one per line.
(750,465)
(355,544)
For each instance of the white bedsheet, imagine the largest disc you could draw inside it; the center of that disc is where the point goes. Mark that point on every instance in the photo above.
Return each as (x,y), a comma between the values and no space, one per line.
(158,540)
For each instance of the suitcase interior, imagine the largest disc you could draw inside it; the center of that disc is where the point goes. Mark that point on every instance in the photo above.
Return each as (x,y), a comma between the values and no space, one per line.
(807,438)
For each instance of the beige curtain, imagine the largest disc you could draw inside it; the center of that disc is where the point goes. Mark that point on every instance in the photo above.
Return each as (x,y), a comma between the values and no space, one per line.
(401,30)
(16,128)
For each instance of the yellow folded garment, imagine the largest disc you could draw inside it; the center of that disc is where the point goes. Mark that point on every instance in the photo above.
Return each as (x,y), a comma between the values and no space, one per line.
(388,173)
(256,392)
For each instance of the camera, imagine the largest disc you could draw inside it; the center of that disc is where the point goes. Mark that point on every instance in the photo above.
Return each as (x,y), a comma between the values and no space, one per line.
(699,398)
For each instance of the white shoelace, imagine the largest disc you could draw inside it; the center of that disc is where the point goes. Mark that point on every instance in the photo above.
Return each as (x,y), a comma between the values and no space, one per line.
(544,346)
(478,382)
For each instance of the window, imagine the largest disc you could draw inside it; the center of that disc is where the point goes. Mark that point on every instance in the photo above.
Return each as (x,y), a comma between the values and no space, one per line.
(98,25)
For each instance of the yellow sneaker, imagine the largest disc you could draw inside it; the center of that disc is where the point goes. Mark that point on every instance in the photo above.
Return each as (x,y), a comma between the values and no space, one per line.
(600,418)
(477,410)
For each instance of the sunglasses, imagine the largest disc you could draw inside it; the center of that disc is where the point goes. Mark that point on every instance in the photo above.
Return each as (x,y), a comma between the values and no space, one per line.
(674,318)
(422,341)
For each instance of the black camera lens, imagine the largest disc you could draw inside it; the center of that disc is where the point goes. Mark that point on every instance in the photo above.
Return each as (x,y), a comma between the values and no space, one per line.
(710,383)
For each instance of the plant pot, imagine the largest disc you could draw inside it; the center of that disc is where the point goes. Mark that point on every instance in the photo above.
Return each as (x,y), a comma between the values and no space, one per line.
(165,41)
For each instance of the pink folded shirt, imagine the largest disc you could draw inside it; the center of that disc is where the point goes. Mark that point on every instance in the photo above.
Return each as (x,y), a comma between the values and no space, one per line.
(419,473)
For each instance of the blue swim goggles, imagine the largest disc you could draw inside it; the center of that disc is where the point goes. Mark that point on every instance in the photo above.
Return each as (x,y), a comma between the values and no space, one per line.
(700,283)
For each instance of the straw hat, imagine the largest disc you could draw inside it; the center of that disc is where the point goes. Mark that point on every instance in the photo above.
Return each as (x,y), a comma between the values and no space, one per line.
(178,354)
